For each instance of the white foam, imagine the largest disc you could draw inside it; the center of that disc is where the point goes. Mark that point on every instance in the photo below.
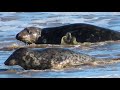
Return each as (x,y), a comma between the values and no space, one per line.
(84,13)
(106,76)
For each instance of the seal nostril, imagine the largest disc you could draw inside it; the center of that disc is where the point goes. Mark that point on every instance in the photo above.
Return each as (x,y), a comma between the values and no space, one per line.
(17,36)
(6,63)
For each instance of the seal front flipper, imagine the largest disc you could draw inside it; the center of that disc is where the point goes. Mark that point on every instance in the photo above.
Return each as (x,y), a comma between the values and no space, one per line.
(69,39)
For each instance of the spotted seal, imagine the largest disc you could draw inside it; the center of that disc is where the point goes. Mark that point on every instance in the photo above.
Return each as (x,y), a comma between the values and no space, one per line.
(53,35)
(56,58)
(49,58)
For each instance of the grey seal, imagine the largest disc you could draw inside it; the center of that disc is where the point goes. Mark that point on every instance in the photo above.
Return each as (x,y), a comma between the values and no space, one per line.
(49,58)
(53,35)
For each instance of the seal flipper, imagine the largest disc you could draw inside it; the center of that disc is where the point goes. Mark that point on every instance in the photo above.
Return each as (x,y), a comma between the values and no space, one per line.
(69,39)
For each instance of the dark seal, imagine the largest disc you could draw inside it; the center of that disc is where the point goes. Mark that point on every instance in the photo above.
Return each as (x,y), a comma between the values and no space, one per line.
(49,58)
(82,32)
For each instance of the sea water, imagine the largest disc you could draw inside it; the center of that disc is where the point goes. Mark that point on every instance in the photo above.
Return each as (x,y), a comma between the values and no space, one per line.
(13,22)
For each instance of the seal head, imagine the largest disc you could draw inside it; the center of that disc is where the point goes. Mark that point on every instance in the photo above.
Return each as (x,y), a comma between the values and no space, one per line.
(28,59)
(29,35)
(15,57)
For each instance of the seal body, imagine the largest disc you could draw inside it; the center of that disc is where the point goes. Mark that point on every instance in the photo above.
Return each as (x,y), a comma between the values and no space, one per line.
(81,31)
(49,58)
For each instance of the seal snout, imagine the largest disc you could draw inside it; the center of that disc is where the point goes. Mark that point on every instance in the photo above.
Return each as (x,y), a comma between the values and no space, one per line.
(6,63)
(23,37)
(19,37)
(10,61)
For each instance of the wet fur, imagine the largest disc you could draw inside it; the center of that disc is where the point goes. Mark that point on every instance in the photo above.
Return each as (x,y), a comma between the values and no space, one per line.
(82,32)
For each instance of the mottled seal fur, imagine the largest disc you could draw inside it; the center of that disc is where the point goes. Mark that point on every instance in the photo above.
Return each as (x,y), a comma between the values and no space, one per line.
(49,58)
(53,35)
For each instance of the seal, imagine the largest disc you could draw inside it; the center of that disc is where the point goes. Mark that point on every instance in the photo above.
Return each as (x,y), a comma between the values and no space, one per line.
(53,35)
(49,58)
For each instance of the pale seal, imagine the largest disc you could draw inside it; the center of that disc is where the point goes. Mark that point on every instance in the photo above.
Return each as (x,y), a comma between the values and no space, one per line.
(49,58)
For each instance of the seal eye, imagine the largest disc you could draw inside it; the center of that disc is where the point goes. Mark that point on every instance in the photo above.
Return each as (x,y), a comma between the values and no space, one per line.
(44,41)
(29,31)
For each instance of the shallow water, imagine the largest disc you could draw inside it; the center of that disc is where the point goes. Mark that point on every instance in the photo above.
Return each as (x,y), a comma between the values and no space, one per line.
(13,22)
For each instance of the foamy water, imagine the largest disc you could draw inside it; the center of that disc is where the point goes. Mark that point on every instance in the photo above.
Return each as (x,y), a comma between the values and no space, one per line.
(11,23)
